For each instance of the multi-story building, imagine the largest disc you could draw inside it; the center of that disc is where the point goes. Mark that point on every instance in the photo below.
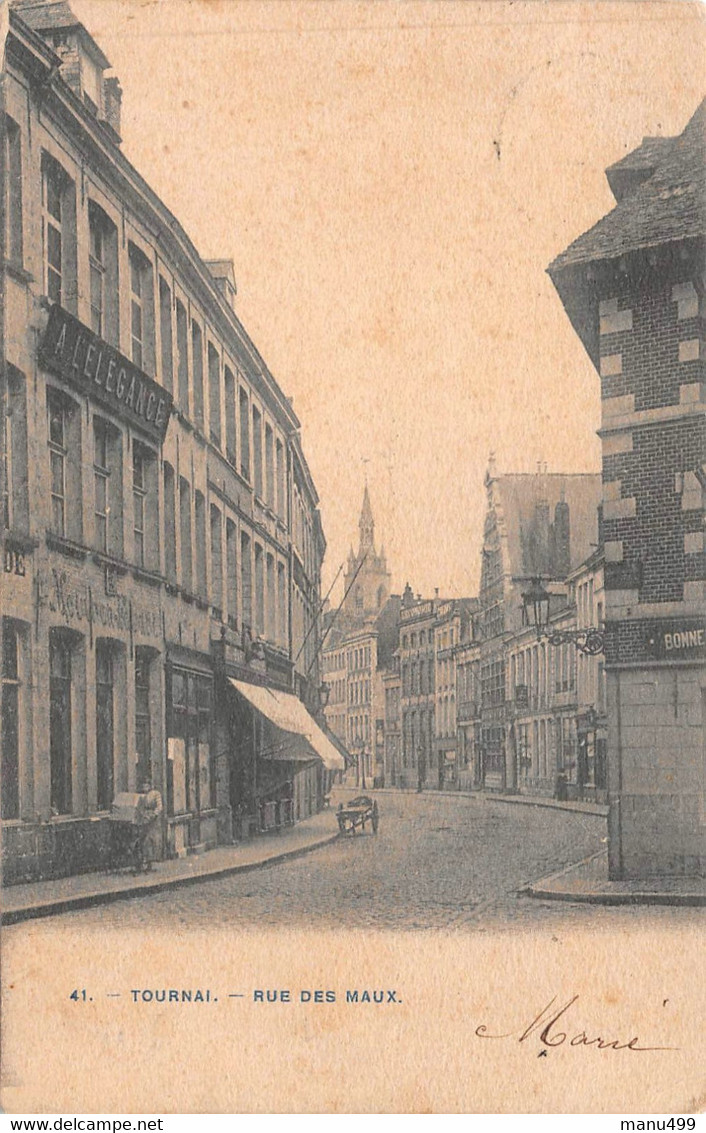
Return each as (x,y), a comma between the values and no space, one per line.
(536,526)
(451,633)
(589,771)
(417,661)
(161,538)
(468,714)
(392,725)
(633,288)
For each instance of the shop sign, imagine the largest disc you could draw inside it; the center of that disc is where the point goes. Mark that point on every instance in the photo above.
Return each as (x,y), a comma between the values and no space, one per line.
(97,369)
(79,603)
(677,641)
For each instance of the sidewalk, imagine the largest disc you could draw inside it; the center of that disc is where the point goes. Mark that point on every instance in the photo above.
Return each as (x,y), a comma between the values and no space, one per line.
(46,898)
(496,797)
(588,882)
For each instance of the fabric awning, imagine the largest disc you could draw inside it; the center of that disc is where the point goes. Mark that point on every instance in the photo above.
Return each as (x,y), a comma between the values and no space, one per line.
(289,714)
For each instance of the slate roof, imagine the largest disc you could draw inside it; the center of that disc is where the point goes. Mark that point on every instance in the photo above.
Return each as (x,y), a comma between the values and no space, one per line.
(518,495)
(47,16)
(670,205)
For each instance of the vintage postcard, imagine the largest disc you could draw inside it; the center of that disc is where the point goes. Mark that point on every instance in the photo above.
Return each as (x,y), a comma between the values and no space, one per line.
(353,667)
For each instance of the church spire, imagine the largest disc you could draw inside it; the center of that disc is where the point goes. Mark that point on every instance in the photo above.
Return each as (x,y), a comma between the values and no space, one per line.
(366,525)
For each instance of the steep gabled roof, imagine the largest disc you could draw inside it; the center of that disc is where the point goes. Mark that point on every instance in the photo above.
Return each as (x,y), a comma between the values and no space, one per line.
(669,205)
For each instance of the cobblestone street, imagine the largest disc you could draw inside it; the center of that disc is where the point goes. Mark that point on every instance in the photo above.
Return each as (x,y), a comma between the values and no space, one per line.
(438,862)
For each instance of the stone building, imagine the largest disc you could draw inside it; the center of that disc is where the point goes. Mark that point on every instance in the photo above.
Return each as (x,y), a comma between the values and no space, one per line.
(633,288)
(161,536)
(537,525)
(451,633)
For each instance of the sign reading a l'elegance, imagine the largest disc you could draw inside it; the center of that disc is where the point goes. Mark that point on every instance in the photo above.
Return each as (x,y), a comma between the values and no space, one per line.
(85,361)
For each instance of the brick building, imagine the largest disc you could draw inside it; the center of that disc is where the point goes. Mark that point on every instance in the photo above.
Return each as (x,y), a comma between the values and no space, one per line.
(633,288)
(161,536)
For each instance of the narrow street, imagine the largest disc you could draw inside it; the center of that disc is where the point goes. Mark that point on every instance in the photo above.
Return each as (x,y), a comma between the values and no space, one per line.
(438,862)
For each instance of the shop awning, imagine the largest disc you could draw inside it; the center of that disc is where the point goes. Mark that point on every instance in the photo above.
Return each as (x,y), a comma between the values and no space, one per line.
(288,714)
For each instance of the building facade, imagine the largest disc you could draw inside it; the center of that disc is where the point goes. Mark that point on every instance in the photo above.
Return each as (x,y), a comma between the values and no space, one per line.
(633,288)
(161,535)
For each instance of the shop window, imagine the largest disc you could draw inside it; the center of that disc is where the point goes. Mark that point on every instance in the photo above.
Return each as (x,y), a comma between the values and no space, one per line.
(141,310)
(145,508)
(60,729)
(59,234)
(191,782)
(229,382)
(185,534)
(11,700)
(216,592)
(13,193)
(232,573)
(200,532)
(257,451)
(182,328)
(244,409)
(170,564)
(107,487)
(197,368)
(246,578)
(269,466)
(105,723)
(13,442)
(214,394)
(166,335)
(143,660)
(64,440)
(103,271)
(259,591)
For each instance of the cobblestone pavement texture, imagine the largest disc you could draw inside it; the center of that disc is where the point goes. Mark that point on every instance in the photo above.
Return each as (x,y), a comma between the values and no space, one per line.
(438,862)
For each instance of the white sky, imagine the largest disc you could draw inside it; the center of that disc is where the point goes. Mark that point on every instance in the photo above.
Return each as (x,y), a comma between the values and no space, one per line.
(390,261)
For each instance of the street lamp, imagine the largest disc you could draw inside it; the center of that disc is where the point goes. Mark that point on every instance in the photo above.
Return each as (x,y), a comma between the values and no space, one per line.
(535,611)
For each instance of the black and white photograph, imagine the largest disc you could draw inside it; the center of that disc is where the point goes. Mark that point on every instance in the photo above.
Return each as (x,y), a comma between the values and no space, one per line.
(353,603)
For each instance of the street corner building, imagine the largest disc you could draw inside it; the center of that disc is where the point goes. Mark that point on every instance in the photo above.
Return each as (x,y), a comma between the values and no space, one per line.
(162,541)
(633,287)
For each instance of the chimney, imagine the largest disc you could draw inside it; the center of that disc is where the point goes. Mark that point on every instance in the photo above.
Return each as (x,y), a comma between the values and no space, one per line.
(112,104)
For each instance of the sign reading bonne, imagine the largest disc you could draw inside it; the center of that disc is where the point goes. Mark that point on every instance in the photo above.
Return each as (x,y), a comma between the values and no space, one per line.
(97,369)
(674,641)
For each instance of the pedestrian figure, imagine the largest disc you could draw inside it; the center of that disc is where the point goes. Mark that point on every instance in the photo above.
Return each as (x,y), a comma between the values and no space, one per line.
(375,816)
(146,816)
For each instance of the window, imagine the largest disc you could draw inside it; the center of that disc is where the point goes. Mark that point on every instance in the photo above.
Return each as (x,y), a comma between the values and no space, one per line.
(182,355)
(60,738)
(259,591)
(216,592)
(246,578)
(282,604)
(11,685)
(185,533)
(165,335)
(52,220)
(141,310)
(142,712)
(101,478)
(13,193)
(58,429)
(214,394)
(232,573)
(170,565)
(257,450)
(145,510)
(13,450)
(269,466)
(280,469)
(103,272)
(244,408)
(230,415)
(197,361)
(200,522)
(271,597)
(105,723)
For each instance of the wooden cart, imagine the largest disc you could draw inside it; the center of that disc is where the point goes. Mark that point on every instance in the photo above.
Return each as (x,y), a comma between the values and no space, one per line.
(356,813)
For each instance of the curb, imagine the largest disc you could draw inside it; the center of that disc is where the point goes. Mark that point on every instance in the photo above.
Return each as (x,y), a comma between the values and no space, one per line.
(87,900)
(605,896)
(597,810)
